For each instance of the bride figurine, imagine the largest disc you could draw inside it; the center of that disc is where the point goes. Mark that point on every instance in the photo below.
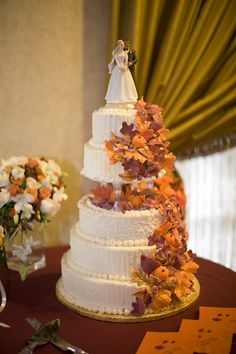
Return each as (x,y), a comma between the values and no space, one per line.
(121,88)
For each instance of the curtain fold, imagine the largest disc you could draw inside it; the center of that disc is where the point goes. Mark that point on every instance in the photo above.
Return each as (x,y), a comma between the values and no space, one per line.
(186,63)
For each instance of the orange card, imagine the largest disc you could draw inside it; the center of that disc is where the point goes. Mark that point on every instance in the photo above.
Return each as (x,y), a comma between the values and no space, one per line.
(208,337)
(222,315)
(165,343)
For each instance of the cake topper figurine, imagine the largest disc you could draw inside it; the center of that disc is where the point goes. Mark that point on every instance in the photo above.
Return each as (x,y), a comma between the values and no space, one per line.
(121,87)
(132,59)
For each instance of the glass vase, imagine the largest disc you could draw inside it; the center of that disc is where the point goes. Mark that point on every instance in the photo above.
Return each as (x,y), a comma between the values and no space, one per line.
(25,251)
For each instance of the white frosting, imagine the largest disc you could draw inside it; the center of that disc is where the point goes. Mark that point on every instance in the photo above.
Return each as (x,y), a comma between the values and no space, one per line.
(114,225)
(98,295)
(106,244)
(113,262)
(107,120)
(97,166)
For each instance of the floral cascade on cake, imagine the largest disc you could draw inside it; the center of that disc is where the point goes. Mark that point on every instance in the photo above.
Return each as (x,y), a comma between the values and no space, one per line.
(128,254)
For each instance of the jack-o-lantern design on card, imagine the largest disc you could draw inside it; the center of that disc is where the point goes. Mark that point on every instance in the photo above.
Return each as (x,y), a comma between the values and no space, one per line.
(208,336)
(164,343)
(221,315)
(203,331)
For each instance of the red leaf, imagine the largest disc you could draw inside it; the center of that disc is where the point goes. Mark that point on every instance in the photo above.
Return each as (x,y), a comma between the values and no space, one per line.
(148,264)
(127,129)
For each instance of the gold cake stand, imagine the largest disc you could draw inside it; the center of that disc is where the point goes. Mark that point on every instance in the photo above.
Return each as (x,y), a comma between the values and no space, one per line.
(190,300)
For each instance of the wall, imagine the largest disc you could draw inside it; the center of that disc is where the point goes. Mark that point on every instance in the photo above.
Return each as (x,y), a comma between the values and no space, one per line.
(52,68)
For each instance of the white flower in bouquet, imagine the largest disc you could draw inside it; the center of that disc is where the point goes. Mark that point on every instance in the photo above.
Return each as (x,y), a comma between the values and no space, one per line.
(15,161)
(32,183)
(46,183)
(18,172)
(25,208)
(4,178)
(49,207)
(24,250)
(60,195)
(23,198)
(4,197)
(54,167)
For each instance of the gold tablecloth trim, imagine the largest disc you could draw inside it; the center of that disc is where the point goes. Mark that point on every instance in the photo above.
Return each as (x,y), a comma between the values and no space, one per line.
(128,318)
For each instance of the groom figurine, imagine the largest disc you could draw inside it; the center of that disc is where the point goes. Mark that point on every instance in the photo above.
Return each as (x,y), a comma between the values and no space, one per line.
(132,60)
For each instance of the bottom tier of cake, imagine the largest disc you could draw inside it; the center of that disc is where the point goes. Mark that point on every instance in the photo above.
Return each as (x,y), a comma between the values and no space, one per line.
(106,299)
(96,294)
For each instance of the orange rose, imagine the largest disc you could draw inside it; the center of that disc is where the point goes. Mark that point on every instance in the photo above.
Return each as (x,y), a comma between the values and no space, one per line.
(14,189)
(44,192)
(32,163)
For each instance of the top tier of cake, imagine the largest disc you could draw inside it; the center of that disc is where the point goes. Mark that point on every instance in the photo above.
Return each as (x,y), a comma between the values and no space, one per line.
(96,164)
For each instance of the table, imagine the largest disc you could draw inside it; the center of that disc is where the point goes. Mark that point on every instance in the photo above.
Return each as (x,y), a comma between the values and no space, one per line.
(36,297)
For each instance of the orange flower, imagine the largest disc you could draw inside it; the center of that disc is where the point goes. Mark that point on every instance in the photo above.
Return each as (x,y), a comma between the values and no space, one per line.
(44,192)
(40,177)
(191,267)
(135,200)
(163,228)
(14,189)
(142,186)
(164,180)
(33,192)
(167,191)
(184,279)
(168,162)
(8,169)
(161,299)
(19,181)
(32,163)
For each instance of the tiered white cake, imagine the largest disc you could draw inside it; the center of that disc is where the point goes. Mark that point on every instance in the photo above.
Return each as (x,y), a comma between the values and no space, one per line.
(105,245)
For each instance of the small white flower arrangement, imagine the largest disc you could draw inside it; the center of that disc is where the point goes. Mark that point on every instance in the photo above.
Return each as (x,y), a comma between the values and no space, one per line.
(31,190)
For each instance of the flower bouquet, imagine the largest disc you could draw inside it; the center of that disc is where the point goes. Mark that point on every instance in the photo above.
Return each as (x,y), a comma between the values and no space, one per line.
(31,191)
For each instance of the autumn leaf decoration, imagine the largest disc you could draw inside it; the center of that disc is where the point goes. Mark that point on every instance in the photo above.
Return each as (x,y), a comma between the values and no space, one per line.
(143,147)
(167,276)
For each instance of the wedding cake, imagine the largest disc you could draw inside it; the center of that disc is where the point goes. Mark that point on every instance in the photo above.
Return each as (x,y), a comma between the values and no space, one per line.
(128,256)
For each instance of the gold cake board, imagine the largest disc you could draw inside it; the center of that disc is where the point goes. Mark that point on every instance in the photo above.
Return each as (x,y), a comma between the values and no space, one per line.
(190,300)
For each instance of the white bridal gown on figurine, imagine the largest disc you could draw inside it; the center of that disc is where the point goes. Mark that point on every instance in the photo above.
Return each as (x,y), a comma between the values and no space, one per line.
(121,86)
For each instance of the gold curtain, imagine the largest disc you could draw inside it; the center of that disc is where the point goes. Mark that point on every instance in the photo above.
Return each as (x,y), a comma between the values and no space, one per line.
(186,63)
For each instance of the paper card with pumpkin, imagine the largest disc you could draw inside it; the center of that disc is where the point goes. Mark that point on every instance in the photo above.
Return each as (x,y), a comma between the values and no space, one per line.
(208,337)
(221,315)
(165,343)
